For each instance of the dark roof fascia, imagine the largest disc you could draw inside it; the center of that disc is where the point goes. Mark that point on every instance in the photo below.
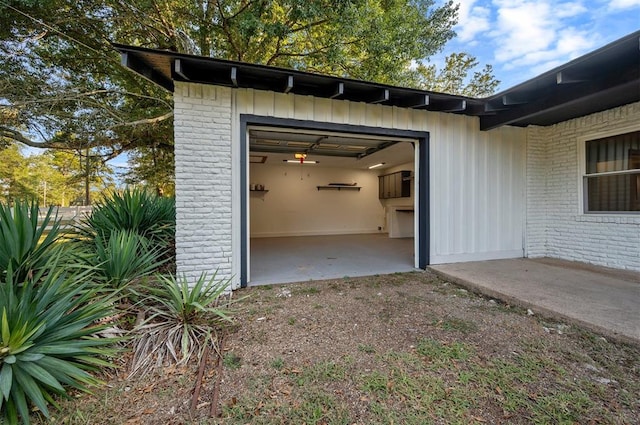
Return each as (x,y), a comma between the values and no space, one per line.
(599,80)
(605,78)
(163,67)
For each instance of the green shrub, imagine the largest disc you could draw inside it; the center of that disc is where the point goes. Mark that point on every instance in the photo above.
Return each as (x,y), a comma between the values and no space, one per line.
(144,213)
(25,245)
(46,342)
(122,257)
(184,318)
(147,215)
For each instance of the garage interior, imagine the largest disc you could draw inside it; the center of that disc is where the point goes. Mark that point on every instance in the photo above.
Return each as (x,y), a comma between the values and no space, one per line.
(326,205)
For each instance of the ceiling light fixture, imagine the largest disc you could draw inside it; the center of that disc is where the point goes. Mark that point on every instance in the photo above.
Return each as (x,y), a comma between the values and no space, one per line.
(296,161)
(376,165)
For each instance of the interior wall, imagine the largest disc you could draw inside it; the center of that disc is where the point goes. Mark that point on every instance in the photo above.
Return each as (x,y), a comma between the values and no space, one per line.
(293,206)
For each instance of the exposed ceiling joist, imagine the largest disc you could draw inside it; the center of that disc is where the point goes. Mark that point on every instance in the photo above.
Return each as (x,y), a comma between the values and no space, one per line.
(580,87)
(417,101)
(289,85)
(515,99)
(234,76)
(447,105)
(339,91)
(381,97)
(575,96)
(567,77)
(178,68)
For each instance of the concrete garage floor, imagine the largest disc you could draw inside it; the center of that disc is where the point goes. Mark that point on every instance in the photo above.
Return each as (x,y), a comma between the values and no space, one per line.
(303,258)
(603,299)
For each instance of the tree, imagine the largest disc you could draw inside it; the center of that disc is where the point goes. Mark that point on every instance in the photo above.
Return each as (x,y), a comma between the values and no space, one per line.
(153,168)
(62,86)
(454,77)
(14,175)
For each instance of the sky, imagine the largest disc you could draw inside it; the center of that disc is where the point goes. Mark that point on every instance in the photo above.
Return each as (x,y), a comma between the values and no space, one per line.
(525,38)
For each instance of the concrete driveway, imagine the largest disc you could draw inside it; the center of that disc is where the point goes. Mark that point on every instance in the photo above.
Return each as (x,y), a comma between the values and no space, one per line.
(602,299)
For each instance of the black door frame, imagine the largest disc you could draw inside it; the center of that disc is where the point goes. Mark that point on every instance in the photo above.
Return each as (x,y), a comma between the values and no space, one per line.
(422,190)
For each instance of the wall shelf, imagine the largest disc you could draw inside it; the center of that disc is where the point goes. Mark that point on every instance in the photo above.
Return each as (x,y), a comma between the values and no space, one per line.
(259,191)
(336,187)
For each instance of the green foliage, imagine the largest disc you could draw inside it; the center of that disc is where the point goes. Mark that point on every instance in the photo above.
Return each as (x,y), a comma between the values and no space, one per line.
(53,177)
(47,340)
(184,319)
(65,88)
(136,210)
(122,257)
(455,78)
(26,246)
(231,361)
(152,167)
(14,175)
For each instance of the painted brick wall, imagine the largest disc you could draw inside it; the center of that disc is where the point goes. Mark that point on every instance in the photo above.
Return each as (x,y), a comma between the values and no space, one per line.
(202,123)
(555,225)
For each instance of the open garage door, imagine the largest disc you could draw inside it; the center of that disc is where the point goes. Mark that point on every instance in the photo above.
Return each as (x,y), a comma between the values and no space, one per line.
(324,203)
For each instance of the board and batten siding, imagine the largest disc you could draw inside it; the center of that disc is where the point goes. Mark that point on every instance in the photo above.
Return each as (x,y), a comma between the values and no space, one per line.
(477,179)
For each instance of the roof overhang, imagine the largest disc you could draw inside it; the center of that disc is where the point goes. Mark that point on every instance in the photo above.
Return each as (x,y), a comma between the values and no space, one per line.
(603,79)
(164,67)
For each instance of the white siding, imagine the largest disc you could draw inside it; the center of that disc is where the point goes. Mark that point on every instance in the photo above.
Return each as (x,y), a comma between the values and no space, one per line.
(556,226)
(477,178)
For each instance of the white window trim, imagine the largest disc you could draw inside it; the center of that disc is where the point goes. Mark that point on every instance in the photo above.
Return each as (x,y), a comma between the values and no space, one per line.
(582,166)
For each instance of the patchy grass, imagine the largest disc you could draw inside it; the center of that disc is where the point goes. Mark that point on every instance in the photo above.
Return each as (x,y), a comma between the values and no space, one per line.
(398,349)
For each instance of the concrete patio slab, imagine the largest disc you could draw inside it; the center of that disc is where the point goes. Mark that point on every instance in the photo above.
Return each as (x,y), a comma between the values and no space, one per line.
(602,299)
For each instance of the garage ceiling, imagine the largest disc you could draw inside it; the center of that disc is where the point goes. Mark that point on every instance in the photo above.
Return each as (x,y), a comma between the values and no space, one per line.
(330,149)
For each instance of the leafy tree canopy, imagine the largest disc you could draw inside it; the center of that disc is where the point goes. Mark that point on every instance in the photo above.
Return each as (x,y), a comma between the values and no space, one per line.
(62,86)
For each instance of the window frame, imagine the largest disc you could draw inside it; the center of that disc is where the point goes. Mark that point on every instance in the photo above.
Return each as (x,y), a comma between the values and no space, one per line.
(583,175)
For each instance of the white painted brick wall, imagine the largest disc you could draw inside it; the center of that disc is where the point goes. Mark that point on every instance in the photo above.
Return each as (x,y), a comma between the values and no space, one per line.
(202,125)
(555,227)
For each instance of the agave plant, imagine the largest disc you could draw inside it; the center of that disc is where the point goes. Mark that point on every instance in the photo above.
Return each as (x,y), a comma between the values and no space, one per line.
(144,213)
(184,318)
(46,341)
(122,257)
(26,245)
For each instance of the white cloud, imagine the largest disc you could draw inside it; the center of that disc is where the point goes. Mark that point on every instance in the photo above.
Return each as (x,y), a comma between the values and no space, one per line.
(523,38)
(623,4)
(536,36)
(522,28)
(472,20)
(569,10)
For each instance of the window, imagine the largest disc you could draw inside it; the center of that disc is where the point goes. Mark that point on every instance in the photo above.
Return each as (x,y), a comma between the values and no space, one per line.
(612,178)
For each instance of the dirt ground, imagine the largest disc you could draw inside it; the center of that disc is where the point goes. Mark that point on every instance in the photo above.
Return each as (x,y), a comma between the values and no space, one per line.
(406,348)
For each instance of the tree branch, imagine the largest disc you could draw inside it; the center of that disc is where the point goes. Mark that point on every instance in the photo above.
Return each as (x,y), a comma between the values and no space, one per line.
(8,133)
(153,120)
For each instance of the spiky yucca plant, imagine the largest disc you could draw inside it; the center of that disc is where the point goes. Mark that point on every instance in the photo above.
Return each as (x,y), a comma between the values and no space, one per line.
(142,212)
(123,256)
(46,342)
(184,318)
(25,244)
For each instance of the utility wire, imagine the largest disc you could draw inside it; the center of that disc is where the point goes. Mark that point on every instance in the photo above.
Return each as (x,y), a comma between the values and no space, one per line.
(67,36)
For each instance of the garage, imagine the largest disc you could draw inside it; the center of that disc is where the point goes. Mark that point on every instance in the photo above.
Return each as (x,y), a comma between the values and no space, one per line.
(236,124)
(327,204)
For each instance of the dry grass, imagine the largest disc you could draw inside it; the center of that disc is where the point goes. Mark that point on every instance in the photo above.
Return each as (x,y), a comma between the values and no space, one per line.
(398,349)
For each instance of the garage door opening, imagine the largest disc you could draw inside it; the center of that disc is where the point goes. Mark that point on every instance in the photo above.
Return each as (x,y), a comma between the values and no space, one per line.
(324,204)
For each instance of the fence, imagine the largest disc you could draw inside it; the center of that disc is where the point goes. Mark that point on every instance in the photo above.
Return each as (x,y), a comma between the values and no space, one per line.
(68,216)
